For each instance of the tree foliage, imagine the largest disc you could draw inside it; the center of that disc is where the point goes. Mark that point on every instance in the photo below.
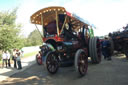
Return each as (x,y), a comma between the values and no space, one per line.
(8,18)
(9,31)
(34,38)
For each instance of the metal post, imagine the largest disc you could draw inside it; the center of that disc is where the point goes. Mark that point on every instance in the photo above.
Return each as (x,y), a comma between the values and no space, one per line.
(63,24)
(42,26)
(39,32)
(57,24)
(91,31)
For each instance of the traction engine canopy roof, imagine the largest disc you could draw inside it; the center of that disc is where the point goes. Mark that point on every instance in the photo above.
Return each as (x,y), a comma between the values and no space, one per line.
(49,15)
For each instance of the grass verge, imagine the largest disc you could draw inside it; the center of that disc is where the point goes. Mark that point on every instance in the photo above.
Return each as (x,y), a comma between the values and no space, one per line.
(30,54)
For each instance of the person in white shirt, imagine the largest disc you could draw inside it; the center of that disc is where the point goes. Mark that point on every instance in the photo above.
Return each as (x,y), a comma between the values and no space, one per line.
(4,58)
(8,59)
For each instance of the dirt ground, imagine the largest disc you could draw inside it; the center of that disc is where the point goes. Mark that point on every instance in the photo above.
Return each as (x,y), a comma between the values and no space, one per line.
(113,72)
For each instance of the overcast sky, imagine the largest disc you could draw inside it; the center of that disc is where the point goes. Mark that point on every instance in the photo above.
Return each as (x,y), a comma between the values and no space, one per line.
(106,15)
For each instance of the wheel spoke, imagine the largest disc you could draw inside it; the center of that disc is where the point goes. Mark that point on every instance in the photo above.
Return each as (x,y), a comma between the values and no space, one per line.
(83,68)
(49,67)
(52,68)
(82,63)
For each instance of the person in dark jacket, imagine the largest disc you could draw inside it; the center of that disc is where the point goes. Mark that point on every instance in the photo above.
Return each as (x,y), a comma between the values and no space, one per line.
(106,49)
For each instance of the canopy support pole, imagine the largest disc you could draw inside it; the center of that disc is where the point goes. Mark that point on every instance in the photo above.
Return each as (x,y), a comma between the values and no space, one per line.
(42,26)
(63,24)
(91,31)
(39,32)
(57,24)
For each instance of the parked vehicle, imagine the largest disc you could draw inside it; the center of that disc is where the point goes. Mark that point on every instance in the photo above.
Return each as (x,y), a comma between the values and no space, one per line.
(70,37)
(120,41)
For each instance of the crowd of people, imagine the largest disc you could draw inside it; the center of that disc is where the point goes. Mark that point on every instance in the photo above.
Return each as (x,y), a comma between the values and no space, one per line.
(16,57)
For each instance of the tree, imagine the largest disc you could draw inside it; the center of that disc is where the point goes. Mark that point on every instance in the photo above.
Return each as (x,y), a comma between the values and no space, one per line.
(34,38)
(9,31)
(8,18)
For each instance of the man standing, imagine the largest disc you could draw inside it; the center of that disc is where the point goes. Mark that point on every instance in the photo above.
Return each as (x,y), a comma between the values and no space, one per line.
(4,58)
(19,60)
(106,49)
(8,59)
(14,58)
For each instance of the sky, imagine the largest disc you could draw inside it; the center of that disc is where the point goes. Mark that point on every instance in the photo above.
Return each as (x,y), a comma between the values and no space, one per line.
(106,15)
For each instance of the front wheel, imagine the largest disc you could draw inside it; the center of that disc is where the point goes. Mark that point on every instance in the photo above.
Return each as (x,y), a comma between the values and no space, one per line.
(38,59)
(81,62)
(51,62)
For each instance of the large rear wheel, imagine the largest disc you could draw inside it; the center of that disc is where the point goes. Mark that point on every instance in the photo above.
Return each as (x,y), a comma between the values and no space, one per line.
(95,50)
(81,62)
(51,62)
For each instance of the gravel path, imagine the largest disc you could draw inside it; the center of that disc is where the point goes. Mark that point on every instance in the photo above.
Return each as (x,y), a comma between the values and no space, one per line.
(113,72)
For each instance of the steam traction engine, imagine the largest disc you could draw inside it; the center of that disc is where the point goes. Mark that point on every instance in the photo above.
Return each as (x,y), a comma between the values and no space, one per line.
(69,38)
(120,41)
